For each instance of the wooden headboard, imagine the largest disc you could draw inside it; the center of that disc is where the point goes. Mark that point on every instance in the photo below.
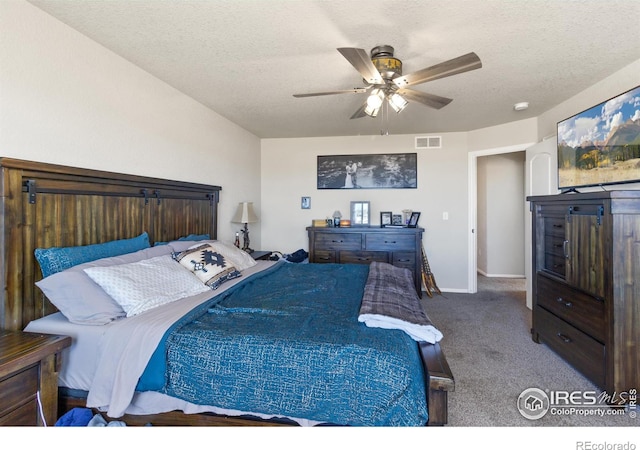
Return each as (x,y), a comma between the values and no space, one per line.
(45,205)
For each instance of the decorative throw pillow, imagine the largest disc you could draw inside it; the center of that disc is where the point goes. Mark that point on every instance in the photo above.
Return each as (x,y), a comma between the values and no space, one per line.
(209,265)
(56,259)
(142,285)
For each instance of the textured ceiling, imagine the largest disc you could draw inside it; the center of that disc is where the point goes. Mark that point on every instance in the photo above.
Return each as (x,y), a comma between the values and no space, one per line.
(246,58)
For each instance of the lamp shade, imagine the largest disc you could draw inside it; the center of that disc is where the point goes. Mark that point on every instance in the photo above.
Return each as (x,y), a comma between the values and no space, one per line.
(245,213)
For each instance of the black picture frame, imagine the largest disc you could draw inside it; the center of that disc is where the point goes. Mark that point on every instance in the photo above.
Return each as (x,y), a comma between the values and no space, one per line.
(413,221)
(385,218)
(305,203)
(370,171)
(397,220)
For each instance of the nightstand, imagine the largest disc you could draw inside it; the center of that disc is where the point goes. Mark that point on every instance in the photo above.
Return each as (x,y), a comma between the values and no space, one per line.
(260,254)
(29,366)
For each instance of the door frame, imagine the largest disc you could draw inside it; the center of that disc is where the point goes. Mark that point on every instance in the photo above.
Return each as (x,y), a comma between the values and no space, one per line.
(472,276)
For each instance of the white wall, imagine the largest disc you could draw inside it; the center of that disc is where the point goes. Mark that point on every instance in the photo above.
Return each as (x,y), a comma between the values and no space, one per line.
(64,99)
(289,172)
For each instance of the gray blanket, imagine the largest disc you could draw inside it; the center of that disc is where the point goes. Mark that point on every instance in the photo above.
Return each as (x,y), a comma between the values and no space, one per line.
(390,301)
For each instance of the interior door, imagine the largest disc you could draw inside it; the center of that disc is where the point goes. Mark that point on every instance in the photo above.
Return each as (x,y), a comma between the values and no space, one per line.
(540,179)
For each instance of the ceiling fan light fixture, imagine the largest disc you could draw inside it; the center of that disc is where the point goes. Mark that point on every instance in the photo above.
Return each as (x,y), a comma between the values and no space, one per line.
(397,102)
(370,111)
(375,100)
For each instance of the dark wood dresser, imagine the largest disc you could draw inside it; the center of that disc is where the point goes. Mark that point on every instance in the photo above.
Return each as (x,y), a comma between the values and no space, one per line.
(401,247)
(586,283)
(29,365)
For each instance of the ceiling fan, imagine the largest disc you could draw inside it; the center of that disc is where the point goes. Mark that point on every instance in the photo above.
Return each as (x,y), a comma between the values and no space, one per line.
(382,76)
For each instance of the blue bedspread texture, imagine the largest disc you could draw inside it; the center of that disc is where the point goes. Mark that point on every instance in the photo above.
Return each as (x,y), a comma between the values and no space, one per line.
(287,341)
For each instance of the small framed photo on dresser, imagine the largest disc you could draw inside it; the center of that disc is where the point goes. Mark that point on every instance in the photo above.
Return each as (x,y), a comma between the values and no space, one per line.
(385,218)
(413,221)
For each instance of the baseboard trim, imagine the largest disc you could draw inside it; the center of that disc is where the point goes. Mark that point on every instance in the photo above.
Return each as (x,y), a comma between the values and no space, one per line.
(500,275)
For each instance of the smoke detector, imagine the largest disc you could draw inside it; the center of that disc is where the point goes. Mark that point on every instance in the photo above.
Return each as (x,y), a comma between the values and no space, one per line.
(521,106)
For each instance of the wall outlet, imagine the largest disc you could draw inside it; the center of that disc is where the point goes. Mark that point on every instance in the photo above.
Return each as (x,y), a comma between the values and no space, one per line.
(445,216)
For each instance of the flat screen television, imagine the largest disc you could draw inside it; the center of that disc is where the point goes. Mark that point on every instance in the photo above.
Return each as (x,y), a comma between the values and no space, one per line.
(601,145)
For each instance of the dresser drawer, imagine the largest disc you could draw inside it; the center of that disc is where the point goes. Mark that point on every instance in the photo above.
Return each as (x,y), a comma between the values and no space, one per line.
(577,308)
(554,226)
(389,241)
(338,241)
(554,245)
(555,264)
(404,259)
(363,257)
(324,256)
(581,351)
(18,389)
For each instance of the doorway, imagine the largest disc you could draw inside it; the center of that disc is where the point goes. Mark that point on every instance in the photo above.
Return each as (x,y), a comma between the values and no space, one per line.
(473,210)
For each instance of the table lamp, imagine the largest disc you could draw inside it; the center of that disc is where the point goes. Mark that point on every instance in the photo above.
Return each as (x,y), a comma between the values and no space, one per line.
(244,214)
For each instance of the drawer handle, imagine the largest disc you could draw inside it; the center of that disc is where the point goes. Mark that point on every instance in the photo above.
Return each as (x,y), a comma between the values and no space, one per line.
(390,242)
(403,260)
(557,225)
(565,249)
(567,304)
(565,339)
(337,241)
(559,245)
(363,259)
(326,258)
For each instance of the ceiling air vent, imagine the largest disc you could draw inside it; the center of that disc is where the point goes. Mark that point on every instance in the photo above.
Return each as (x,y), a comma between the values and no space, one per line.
(424,142)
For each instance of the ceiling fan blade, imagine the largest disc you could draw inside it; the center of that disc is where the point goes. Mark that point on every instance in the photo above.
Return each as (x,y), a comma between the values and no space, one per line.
(363,64)
(433,101)
(454,66)
(360,112)
(345,91)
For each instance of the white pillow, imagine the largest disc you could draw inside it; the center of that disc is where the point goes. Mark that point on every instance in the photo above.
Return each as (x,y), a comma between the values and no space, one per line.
(142,285)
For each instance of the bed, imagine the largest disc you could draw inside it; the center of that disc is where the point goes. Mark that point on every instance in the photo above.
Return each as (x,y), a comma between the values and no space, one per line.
(49,207)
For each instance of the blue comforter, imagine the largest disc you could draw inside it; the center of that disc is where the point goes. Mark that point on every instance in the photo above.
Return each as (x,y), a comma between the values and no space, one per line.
(287,342)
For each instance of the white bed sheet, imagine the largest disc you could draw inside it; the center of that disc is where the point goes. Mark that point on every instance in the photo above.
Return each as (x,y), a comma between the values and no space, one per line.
(107,360)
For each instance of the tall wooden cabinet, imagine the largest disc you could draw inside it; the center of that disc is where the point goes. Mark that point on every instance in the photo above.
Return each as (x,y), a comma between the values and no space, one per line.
(586,283)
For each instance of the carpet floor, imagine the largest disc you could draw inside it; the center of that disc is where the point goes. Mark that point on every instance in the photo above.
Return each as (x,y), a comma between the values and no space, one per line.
(488,345)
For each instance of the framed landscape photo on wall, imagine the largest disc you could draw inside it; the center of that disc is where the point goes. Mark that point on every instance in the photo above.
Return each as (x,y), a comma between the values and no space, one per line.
(372,171)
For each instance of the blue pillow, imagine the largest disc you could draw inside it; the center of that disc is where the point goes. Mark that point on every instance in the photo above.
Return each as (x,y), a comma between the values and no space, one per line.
(191,237)
(56,259)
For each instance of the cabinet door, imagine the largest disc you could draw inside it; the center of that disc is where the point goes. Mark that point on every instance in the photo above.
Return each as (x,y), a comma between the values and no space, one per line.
(585,252)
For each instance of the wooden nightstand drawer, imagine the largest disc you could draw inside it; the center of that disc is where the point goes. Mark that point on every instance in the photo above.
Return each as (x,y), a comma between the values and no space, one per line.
(18,389)
(25,415)
(338,241)
(29,364)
